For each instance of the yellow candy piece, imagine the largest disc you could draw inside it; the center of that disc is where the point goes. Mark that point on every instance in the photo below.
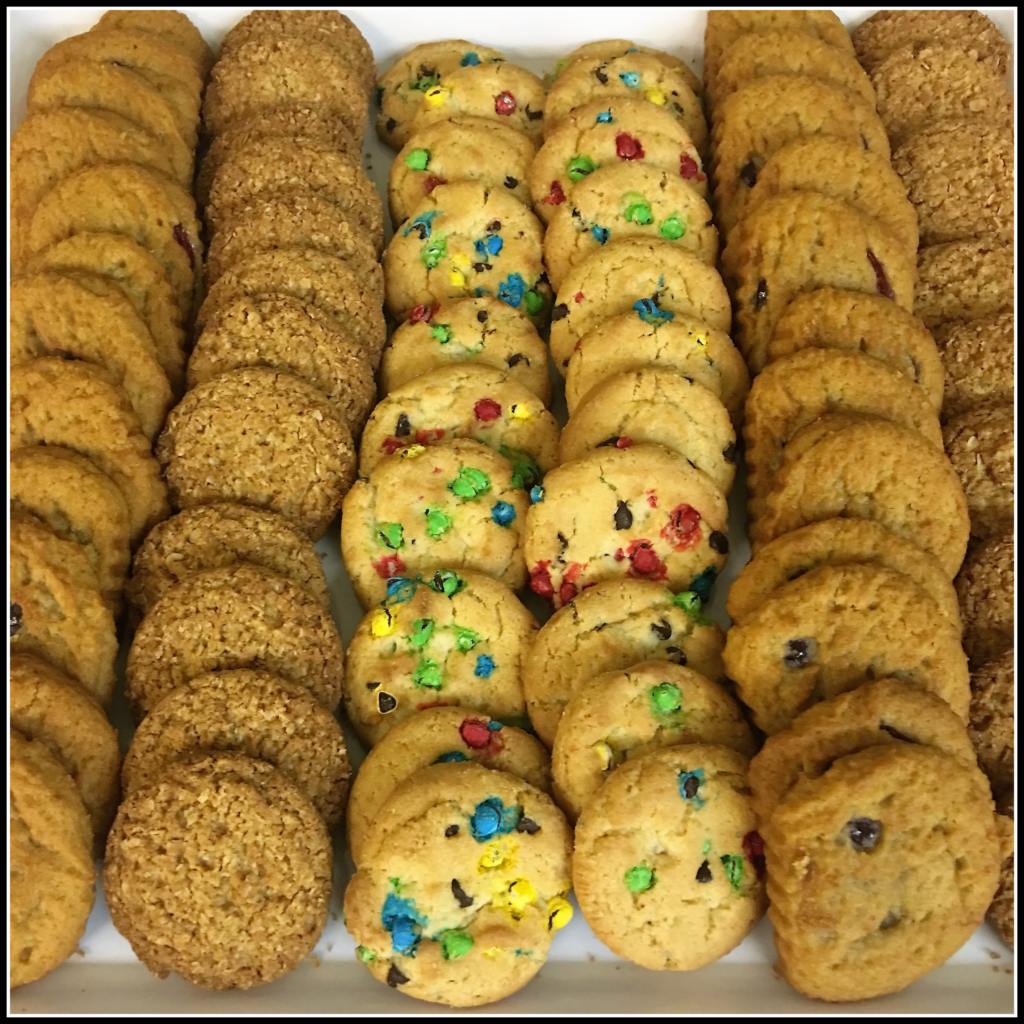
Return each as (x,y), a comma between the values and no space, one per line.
(559,913)
(383,623)
(493,953)
(438,95)
(604,752)
(499,854)
(520,412)
(520,895)
(414,451)
(461,260)
(655,96)
(456,278)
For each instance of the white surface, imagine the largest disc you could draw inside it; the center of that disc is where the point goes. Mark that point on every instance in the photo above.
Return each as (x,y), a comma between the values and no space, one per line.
(582,975)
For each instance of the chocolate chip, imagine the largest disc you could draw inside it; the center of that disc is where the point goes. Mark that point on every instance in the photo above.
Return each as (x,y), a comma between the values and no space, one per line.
(419,229)
(676,654)
(426,71)
(494,226)
(890,920)
(181,237)
(662,630)
(690,787)
(608,442)
(703,872)
(864,833)
(562,540)
(598,627)
(623,517)
(559,311)
(403,428)
(719,542)
(396,977)
(527,825)
(481,317)
(386,703)
(451,830)
(895,733)
(601,75)
(372,686)
(460,894)
(480,268)
(533,115)
(748,174)
(516,359)
(799,652)
(391,125)
(729,453)
(15,617)
(761,295)
(511,182)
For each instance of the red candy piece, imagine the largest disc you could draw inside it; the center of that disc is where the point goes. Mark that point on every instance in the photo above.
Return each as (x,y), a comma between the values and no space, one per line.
(429,435)
(645,562)
(390,445)
(431,181)
(627,147)
(388,565)
(753,847)
(540,580)
(556,196)
(619,554)
(504,104)
(578,297)
(474,733)
(688,168)
(652,499)
(487,409)
(624,442)
(682,530)
(422,313)
(567,592)
(574,571)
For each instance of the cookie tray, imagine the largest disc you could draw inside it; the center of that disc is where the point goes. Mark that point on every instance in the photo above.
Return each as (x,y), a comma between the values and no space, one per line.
(581,975)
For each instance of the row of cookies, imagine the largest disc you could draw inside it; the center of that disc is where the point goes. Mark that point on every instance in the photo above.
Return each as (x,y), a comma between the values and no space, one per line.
(104,244)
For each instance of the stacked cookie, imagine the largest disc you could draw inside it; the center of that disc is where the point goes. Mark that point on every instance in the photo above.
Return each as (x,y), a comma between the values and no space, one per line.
(107,261)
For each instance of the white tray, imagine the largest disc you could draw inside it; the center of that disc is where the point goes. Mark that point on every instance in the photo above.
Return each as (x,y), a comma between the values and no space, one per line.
(582,975)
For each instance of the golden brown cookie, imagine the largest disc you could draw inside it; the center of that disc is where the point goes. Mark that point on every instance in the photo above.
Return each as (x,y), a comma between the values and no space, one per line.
(977,356)
(991,721)
(985,587)
(172,26)
(1001,912)
(965,280)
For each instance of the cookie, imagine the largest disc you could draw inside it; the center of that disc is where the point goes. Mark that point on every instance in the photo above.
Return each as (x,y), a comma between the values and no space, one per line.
(610,627)
(83,316)
(925,82)
(642,75)
(654,406)
(251,712)
(794,391)
(456,504)
(496,90)
(483,330)
(48,706)
(835,626)
(283,333)
(662,867)
(623,201)
(218,536)
(684,345)
(463,240)
(607,49)
(462,147)
(271,70)
(887,31)
(843,169)
(214,448)
(664,520)
(48,146)
(967,280)
(282,163)
(77,405)
(926,822)
(171,26)
(655,279)
(763,116)
(137,273)
(460,636)
(803,241)
(985,589)
(468,400)
(79,503)
(52,876)
(330,28)
(604,132)
(979,444)
(239,616)
(400,90)
(288,220)
(127,199)
(170,71)
(316,279)
(833,318)
(878,712)
(1000,913)
(873,470)
(619,716)
(977,356)
(991,719)
(838,542)
(439,735)
(959,178)
(462,867)
(787,52)
(219,809)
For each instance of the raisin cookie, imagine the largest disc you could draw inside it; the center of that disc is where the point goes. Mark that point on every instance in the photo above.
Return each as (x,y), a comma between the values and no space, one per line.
(662,867)
(439,735)
(456,504)
(977,356)
(985,588)
(965,280)
(991,720)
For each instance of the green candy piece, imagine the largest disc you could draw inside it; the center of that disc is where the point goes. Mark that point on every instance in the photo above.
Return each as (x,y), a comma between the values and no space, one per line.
(426,82)
(470,483)
(427,674)
(733,865)
(438,523)
(455,944)
(690,602)
(365,955)
(706,848)
(391,535)
(418,160)
(396,886)
(638,210)
(434,251)
(465,638)
(579,167)
(666,701)
(639,878)
(525,471)
(441,333)
(422,631)
(534,302)
(672,228)
(447,582)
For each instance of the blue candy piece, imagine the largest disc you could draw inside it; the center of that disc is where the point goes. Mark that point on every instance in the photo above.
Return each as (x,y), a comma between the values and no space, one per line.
(689,786)
(512,290)
(503,513)
(451,755)
(600,234)
(631,79)
(495,726)
(495,243)
(484,667)
(400,917)
(605,117)
(537,494)
(701,586)
(491,817)
(483,291)
(632,49)
(648,311)
(425,219)
(399,589)
(470,59)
